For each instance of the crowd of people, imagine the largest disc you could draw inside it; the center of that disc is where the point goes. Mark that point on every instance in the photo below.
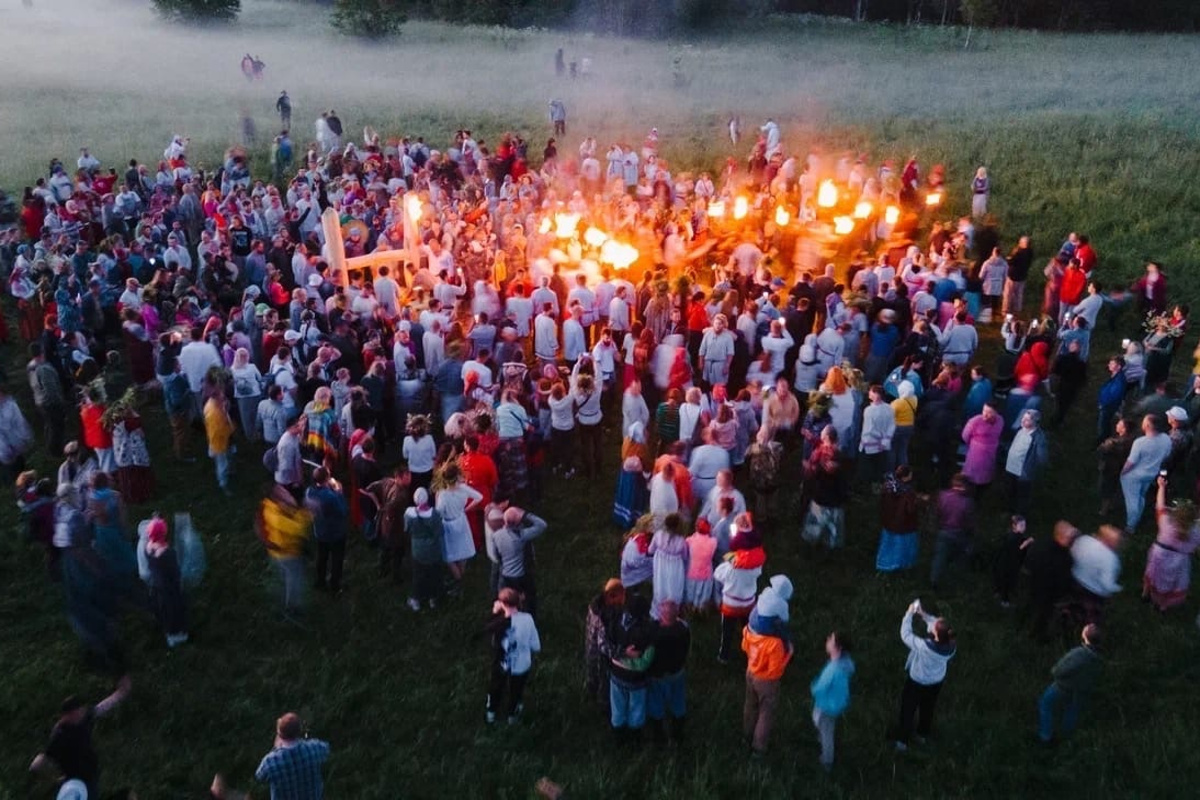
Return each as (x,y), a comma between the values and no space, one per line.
(422,405)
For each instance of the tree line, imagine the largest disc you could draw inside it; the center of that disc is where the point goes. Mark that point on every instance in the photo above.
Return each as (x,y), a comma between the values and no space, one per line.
(657,18)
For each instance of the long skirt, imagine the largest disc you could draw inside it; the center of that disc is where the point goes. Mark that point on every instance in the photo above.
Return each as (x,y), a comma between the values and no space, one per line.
(670,577)
(1167,577)
(632,499)
(896,551)
(512,466)
(458,544)
(248,412)
(698,593)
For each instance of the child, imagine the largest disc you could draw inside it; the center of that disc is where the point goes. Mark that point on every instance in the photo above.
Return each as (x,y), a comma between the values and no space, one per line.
(831,693)
(514,641)
(698,591)
(1009,560)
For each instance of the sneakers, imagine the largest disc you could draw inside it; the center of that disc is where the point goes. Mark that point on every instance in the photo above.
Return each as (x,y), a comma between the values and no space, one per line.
(413,604)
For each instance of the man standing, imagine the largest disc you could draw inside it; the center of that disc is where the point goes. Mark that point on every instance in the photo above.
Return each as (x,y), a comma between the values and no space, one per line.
(545,337)
(558,117)
(831,693)
(48,397)
(284,106)
(1019,262)
(196,358)
(293,767)
(767,658)
(509,546)
(289,468)
(716,352)
(177,397)
(666,698)
(70,751)
(330,515)
(1074,677)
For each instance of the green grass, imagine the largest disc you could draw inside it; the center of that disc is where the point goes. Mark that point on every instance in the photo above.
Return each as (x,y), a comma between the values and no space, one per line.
(1091,133)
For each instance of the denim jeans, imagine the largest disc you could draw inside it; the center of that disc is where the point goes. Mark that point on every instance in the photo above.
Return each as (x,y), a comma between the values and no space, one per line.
(1072,704)
(826,726)
(221,460)
(1134,489)
(667,695)
(628,704)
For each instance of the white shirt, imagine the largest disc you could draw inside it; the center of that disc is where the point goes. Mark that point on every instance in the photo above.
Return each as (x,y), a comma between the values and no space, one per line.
(419,453)
(1096,567)
(521,309)
(545,337)
(778,346)
(387,292)
(485,374)
(574,341)
(195,359)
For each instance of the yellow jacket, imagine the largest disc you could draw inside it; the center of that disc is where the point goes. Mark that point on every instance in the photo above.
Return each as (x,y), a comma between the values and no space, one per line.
(218,426)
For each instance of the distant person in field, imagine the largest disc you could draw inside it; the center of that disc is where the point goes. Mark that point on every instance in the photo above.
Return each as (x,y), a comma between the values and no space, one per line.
(284,106)
(558,117)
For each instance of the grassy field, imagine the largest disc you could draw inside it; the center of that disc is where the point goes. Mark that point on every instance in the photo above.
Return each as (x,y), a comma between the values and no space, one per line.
(1091,133)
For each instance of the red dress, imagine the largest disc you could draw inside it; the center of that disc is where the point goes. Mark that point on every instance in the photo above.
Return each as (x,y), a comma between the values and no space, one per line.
(479,472)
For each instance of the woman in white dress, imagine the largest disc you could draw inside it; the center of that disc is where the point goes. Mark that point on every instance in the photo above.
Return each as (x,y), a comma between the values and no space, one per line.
(670,551)
(453,504)
(247,391)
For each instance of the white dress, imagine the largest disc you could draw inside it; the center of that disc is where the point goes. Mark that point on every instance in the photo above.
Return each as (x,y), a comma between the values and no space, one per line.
(458,545)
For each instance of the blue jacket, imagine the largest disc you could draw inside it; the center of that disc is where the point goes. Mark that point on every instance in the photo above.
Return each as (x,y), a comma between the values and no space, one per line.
(1112,393)
(330,513)
(831,689)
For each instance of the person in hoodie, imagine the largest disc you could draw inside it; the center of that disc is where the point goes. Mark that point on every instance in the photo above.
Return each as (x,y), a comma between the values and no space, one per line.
(738,575)
(926,671)
(1074,677)
(631,655)
(770,615)
(767,656)
(831,692)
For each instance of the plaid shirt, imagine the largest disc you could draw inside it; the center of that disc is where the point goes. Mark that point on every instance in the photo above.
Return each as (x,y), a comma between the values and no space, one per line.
(294,772)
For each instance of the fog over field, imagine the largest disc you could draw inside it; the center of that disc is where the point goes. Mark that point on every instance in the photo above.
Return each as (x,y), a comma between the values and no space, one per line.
(109,74)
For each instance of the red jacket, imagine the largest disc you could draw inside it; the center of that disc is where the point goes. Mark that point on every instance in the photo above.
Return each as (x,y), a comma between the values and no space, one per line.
(1074,283)
(94,434)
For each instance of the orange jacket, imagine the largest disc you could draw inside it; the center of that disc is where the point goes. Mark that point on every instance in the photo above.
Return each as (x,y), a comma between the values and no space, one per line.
(767,656)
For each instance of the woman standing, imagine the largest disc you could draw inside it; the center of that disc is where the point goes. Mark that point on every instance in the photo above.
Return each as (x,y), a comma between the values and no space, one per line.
(588,414)
(1111,456)
(899,509)
(981,189)
(138,347)
(321,440)
(670,551)
(166,585)
(454,503)
(479,472)
(106,513)
(982,436)
(603,612)
(134,475)
(424,528)
(419,451)
(1169,562)
(512,422)
(247,391)
(632,495)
